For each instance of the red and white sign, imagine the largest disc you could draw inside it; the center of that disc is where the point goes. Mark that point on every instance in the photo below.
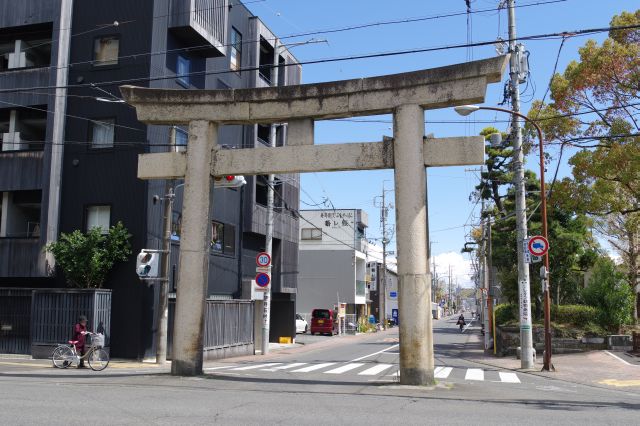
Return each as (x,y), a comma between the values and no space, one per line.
(263,260)
(538,245)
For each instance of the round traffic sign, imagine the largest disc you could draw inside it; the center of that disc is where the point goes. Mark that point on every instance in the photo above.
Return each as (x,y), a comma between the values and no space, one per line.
(538,245)
(263,279)
(263,259)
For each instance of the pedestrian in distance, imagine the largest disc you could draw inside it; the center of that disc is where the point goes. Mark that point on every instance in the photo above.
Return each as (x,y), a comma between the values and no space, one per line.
(79,335)
(461,322)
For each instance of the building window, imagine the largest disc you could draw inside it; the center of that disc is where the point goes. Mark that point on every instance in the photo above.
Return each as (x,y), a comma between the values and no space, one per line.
(223,238)
(266,60)
(102,133)
(98,217)
(106,50)
(236,50)
(183,69)
(182,137)
(264,134)
(311,234)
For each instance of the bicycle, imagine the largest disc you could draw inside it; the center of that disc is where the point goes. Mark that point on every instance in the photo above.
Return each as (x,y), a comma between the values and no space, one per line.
(66,354)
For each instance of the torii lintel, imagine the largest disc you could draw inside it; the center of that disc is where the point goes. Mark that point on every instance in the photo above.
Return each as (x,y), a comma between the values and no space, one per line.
(430,89)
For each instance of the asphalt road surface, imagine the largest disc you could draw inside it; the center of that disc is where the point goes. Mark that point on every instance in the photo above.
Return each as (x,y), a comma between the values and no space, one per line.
(340,380)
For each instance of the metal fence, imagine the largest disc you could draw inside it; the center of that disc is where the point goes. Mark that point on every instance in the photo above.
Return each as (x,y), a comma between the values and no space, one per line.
(350,324)
(228,328)
(55,311)
(32,321)
(15,321)
(228,323)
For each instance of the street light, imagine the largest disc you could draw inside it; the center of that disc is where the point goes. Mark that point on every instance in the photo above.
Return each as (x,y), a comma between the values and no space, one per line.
(465,110)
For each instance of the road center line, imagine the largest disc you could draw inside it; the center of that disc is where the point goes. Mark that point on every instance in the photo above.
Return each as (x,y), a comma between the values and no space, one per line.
(375,353)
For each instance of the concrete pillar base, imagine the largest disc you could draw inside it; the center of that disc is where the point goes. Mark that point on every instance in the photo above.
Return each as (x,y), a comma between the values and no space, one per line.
(417,377)
(184,368)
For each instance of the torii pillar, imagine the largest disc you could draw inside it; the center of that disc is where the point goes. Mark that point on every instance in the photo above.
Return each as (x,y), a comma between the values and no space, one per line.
(405,95)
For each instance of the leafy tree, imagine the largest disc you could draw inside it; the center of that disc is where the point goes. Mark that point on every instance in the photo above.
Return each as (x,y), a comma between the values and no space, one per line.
(595,105)
(610,295)
(86,259)
(569,233)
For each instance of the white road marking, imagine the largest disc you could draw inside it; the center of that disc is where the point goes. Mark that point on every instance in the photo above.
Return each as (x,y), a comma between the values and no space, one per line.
(313,367)
(508,377)
(620,359)
(344,368)
(442,372)
(375,370)
(219,368)
(253,367)
(474,374)
(375,353)
(285,367)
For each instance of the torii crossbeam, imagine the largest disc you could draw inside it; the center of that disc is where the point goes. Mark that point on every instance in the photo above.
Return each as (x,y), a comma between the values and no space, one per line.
(404,95)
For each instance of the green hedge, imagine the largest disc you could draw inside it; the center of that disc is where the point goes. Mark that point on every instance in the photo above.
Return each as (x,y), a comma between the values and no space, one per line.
(506,313)
(579,315)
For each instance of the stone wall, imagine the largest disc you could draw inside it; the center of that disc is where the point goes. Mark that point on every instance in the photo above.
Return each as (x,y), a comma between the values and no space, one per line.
(508,340)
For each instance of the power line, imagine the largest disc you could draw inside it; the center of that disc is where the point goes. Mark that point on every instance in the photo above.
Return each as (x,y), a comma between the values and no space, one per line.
(339,59)
(318,32)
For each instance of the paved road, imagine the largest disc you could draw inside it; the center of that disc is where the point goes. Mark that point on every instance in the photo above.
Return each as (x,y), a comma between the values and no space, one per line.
(340,380)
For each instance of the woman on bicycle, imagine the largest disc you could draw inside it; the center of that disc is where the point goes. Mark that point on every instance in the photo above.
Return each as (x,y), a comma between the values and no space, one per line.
(79,332)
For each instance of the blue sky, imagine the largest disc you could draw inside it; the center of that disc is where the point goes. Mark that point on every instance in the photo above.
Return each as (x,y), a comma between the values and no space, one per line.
(451,214)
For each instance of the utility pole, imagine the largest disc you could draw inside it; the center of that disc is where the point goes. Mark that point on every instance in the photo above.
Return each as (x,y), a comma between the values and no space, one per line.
(434,275)
(268,245)
(382,290)
(526,337)
(450,298)
(163,301)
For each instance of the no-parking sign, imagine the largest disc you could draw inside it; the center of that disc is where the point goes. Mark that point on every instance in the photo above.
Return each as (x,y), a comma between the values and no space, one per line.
(538,245)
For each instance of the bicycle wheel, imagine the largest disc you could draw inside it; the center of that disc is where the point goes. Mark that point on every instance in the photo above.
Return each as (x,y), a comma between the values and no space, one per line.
(98,359)
(62,357)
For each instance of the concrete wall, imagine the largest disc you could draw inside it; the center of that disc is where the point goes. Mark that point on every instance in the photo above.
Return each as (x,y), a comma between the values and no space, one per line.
(324,275)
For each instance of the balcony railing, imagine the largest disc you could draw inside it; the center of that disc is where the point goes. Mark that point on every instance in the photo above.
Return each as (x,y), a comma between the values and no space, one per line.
(21,170)
(361,288)
(21,257)
(199,23)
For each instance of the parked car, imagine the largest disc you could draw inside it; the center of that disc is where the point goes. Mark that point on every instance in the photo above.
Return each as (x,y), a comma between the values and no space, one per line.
(324,321)
(301,324)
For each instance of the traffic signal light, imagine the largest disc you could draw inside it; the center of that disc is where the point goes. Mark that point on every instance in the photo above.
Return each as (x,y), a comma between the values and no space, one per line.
(148,264)
(228,181)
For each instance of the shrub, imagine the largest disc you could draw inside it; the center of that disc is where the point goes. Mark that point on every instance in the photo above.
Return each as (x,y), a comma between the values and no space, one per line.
(610,294)
(506,313)
(86,259)
(578,315)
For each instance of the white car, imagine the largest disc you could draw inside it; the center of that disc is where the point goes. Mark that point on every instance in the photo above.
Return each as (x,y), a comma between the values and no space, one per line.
(301,324)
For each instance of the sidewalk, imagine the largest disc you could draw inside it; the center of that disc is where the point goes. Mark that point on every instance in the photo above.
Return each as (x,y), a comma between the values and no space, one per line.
(596,368)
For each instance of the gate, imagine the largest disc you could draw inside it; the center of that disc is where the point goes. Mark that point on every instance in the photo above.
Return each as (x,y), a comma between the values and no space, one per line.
(15,321)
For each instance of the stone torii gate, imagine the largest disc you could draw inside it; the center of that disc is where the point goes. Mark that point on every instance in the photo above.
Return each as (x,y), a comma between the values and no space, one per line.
(404,95)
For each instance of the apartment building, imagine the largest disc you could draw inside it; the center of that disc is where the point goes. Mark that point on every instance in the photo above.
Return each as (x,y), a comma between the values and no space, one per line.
(70,146)
(333,261)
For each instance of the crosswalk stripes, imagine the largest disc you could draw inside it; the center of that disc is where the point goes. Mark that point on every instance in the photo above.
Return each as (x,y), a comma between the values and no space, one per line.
(314,367)
(474,374)
(442,372)
(508,377)
(285,367)
(345,368)
(254,367)
(369,369)
(375,370)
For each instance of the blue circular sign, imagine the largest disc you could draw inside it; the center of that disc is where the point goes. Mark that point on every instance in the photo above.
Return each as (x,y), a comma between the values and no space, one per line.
(263,279)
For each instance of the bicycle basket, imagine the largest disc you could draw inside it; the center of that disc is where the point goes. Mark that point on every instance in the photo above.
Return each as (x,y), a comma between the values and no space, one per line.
(97,340)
